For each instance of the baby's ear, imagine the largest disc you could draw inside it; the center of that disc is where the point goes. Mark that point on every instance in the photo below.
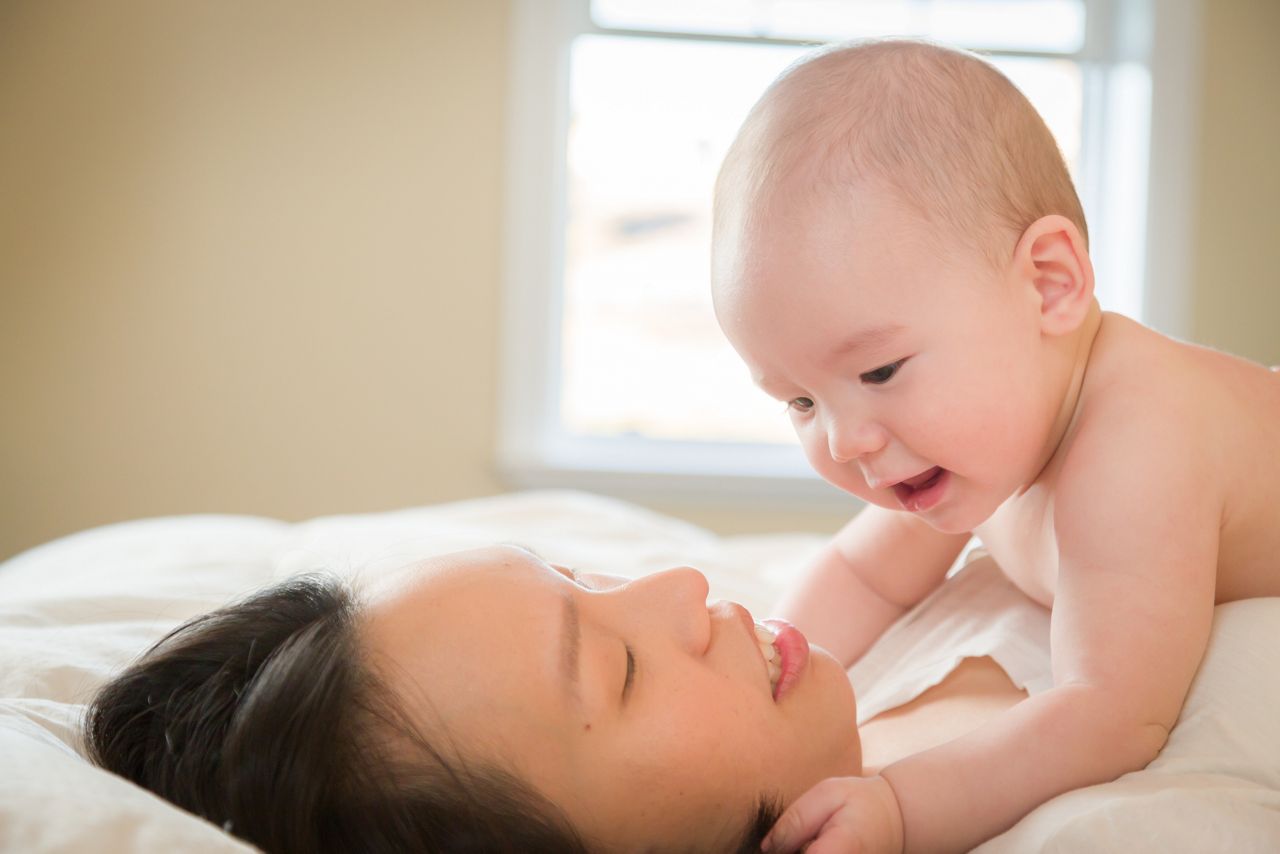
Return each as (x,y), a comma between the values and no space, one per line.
(1051,258)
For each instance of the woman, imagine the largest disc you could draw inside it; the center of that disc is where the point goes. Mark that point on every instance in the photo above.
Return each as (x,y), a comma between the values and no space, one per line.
(489,701)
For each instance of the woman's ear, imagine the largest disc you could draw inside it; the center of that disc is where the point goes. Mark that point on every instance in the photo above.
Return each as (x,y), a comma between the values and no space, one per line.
(1051,258)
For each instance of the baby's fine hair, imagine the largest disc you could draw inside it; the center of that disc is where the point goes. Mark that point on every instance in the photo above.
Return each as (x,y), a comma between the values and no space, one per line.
(941,128)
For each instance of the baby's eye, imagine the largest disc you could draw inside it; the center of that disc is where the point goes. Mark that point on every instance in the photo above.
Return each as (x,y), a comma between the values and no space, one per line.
(882,374)
(800,404)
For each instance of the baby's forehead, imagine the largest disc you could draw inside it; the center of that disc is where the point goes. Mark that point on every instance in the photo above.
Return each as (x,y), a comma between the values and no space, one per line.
(862,234)
(958,142)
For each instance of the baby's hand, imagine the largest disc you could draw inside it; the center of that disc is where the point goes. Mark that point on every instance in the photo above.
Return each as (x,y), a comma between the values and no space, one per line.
(841,815)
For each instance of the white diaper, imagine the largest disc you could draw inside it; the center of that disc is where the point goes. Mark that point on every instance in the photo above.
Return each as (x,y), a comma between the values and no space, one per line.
(976,612)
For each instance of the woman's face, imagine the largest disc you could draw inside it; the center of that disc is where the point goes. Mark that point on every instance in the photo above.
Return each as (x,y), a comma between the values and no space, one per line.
(480,647)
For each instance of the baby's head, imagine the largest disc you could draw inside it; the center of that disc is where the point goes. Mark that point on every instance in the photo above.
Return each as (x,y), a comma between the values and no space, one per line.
(900,205)
(942,130)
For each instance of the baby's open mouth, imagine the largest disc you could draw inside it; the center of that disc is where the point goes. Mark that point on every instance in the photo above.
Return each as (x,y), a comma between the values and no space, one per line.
(924,480)
(922,491)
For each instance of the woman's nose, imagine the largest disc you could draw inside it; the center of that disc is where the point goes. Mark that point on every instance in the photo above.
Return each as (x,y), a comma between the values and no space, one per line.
(674,600)
(850,438)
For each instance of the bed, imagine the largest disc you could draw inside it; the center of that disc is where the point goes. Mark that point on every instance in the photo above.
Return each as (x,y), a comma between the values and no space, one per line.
(75,610)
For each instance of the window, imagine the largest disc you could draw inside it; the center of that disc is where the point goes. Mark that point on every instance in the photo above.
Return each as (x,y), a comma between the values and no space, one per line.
(615,374)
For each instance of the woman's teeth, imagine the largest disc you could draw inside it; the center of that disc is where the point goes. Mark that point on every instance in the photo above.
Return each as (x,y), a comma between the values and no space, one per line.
(765,637)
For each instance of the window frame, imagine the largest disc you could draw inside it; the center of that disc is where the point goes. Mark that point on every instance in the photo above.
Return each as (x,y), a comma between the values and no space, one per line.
(1157,40)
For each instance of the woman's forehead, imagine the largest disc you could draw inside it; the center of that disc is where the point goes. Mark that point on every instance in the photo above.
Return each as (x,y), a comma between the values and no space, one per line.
(449,641)
(504,562)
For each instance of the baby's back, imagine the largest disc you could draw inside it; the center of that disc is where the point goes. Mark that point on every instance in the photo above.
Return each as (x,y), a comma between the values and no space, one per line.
(1235,411)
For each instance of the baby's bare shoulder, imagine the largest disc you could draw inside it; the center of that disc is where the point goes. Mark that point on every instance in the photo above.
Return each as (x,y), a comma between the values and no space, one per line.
(1185,431)
(1138,374)
(1148,403)
(1170,410)
(1137,377)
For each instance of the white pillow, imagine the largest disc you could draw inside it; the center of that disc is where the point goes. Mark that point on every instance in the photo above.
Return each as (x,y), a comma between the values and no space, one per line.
(74,611)
(71,613)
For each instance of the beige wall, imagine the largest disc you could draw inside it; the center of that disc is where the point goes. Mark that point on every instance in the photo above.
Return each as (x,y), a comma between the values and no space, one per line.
(249,253)
(1237,286)
(251,260)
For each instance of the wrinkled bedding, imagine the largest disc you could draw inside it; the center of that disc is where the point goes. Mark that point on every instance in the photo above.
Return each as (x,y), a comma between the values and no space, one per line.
(75,610)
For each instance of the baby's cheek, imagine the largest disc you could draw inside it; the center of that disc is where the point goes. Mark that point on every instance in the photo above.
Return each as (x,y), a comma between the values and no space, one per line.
(846,476)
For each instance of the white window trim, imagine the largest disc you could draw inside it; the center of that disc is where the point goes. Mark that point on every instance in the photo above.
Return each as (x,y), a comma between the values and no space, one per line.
(1158,35)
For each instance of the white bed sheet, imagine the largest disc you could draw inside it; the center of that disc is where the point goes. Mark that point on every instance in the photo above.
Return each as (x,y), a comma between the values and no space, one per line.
(74,611)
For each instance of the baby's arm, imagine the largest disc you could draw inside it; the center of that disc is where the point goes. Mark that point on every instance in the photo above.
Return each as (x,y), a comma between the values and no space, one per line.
(1137,523)
(875,568)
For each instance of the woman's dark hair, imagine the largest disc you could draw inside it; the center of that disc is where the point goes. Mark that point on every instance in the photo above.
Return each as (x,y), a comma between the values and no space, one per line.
(265,717)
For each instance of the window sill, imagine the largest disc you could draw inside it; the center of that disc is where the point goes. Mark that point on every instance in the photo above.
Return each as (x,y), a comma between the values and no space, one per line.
(770,483)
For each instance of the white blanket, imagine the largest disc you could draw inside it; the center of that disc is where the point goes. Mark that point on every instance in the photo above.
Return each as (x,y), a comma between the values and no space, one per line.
(74,611)
(1215,786)
(978,612)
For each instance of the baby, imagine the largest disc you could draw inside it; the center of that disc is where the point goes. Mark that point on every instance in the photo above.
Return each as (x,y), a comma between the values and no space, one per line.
(900,256)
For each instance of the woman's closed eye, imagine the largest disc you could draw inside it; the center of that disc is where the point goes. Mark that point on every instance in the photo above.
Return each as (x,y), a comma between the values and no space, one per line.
(593,584)
(596,580)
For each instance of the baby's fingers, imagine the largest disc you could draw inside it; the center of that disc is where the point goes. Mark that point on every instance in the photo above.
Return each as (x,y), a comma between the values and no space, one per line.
(806,816)
(836,839)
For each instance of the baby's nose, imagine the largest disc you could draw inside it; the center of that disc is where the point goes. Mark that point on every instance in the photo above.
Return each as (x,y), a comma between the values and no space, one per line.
(848,441)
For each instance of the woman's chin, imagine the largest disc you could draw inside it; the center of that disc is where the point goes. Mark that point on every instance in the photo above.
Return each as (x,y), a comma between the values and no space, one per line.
(839,709)
(829,662)
(842,687)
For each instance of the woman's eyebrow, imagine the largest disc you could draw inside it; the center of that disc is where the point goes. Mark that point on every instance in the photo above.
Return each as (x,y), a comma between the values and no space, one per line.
(524,548)
(571,642)
(570,634)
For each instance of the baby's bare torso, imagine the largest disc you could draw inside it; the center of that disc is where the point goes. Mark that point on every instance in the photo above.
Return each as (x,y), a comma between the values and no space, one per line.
(1237,422)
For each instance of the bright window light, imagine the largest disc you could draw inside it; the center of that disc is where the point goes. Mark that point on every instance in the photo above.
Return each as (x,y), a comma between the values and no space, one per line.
(1040,25)
(615,376)
(650,121)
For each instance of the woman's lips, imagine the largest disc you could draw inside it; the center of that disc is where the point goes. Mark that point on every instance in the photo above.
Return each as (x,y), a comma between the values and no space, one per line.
(794,649)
